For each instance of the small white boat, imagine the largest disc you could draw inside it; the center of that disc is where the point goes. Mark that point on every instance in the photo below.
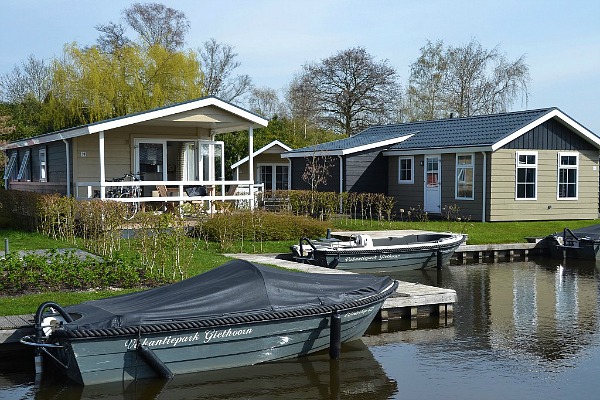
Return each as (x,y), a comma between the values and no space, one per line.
(391,253)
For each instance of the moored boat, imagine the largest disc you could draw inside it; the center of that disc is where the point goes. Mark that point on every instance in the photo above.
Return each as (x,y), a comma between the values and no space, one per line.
(582,243)
(235,315)
(392,253)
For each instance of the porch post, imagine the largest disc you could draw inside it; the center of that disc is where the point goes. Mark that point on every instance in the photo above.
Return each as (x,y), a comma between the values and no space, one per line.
(102,170)
(251,163)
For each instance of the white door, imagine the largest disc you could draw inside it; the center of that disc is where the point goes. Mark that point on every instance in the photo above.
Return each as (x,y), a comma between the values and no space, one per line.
(433,181)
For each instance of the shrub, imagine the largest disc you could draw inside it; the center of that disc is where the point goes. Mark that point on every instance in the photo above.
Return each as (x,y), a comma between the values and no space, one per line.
(258,226)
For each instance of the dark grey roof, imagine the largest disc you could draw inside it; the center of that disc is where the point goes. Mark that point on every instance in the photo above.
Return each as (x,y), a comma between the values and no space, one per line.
(484,130)
(369,136)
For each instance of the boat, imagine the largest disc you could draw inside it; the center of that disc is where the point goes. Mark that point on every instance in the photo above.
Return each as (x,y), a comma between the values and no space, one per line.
(582,243)
(362,252)
(238,314)
(357,376)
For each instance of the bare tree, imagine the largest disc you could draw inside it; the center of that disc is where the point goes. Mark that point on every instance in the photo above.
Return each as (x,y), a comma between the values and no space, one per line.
(265,102)
(351,89)
(316,172)
(426,83)
(218,64)
(30,79)
(157,24)
(112,37)
(465,80)
(301,98)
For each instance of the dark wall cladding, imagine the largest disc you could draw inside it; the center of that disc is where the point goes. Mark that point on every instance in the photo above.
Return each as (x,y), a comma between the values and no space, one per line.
(551,135)
(333,180)
(366,172)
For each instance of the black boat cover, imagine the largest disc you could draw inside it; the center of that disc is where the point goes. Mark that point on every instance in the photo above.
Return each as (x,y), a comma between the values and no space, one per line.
(235,288)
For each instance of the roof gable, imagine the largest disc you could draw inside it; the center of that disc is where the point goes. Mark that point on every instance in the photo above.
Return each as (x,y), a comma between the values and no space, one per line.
(274,143)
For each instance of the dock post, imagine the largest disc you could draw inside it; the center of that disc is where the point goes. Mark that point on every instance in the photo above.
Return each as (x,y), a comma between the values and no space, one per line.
(335,336)
(440,259)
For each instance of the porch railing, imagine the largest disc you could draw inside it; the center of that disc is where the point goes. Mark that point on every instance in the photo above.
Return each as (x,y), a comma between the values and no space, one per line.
(172,191)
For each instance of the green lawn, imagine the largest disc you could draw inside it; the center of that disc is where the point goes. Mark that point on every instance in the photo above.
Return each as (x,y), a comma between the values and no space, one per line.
(208,256)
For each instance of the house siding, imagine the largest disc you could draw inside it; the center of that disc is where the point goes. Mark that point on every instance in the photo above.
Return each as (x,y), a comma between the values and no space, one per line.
(366,172)
(333,180)
(56,169)
(406,196)
(410,197)
(504,206)
(550,135)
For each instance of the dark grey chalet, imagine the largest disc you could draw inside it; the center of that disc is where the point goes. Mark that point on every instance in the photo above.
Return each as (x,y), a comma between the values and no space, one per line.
(526,165)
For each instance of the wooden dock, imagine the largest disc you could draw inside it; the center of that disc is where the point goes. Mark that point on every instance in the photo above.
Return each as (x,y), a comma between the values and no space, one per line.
(498,252)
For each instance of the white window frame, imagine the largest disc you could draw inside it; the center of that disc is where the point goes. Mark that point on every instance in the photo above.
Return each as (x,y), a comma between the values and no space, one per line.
(470,166)
(412,170)
(273,184)
(567,167)
(524,166)
(43,165)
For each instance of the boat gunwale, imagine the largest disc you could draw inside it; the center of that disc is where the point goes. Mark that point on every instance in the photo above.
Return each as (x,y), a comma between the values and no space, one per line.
(401,248)
(85,334)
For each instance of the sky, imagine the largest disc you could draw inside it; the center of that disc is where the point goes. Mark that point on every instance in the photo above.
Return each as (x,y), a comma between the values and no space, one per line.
(560,40)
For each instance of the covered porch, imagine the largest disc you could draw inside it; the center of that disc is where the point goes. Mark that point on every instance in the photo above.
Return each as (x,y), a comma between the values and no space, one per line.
(169,155)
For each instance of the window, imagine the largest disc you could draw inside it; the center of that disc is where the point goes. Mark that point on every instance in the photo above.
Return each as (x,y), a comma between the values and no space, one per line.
(24,174)
(405,170)
(526,176)
(465,169)
(568,165)
(275,177)
(43,170)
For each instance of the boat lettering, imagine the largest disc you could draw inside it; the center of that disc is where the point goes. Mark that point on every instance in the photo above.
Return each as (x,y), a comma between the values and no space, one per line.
(215,334)
(388,256)
(168,340)
(360,312)
(361,258)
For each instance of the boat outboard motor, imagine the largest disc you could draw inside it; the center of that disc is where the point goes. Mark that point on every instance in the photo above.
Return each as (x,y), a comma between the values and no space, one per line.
(363,240)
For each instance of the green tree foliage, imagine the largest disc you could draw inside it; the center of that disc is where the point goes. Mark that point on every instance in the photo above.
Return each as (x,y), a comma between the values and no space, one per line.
(284,129)
(90,85)
(463,80)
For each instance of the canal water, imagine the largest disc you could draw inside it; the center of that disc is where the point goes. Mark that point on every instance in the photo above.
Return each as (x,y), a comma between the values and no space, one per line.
(521,330)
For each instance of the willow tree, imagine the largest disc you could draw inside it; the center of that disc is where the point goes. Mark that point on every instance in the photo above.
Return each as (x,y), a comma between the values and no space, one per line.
(89,85)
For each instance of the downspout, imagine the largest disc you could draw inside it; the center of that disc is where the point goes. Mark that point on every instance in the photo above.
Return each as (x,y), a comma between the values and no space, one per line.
(341,181)
(484,186)
(68,168)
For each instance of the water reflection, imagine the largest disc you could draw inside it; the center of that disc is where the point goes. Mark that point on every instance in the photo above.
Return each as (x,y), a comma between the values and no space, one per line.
(357,375)
(544,308)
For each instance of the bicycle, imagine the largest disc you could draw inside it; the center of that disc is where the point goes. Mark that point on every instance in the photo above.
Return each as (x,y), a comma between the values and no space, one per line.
(123,192)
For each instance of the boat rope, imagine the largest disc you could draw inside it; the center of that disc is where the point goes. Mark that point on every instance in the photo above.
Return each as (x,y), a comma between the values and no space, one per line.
(221,321)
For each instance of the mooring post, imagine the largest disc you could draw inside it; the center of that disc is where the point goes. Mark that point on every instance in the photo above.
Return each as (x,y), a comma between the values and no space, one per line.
(335,336)
(440,259)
